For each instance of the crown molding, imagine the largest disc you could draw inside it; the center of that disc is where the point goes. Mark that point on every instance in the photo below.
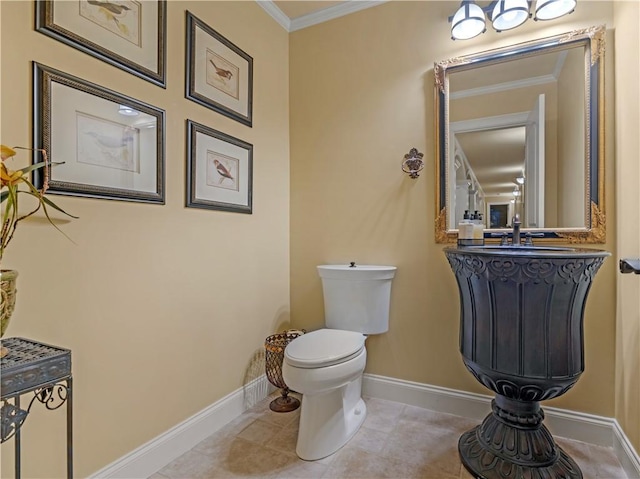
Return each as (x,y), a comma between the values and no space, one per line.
(501,87)
(336,11)
(512,85)
(324,15)
(277,14)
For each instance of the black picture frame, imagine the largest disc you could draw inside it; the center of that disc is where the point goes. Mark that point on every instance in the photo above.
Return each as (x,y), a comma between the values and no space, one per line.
(86,28)
(112,145)
(226,87)
(219,170)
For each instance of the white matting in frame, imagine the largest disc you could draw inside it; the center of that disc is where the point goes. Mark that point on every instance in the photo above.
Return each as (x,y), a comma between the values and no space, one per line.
(112,146)
(219,170)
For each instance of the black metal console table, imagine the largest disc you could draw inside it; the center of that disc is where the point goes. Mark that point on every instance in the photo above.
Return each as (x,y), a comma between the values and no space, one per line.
(45,371)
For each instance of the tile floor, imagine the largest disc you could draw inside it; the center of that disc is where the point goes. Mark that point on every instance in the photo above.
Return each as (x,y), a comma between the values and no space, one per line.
(396,441)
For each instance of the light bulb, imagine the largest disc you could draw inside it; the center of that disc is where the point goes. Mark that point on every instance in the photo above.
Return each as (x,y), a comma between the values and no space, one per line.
(550,9)
(468,21)
(127,111)
(509,14)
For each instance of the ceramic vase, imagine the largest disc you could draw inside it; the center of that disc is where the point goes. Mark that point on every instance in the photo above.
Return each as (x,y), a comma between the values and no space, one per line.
(7,300)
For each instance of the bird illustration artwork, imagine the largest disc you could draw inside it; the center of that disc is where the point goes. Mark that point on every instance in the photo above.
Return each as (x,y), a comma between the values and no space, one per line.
(114,8)
(113,151)
(109,141)
(110,10)
(222,171)
(221,72)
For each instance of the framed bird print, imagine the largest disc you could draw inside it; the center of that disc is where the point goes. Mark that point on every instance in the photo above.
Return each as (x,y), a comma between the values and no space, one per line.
(109,145)
(218,74)
(219,170)
(129,34)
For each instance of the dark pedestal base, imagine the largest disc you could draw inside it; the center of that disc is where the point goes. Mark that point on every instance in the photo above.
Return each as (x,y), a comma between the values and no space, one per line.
(512,443)
(284,404)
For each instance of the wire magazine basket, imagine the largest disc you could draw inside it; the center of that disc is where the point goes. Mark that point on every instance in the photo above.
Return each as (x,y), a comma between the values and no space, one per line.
(274,346)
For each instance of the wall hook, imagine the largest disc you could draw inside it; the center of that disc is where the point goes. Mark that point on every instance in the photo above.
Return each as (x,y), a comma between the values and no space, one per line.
(413,163)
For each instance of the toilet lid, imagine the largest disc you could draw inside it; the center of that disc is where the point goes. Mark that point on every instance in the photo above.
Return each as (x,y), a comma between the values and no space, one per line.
(323,347)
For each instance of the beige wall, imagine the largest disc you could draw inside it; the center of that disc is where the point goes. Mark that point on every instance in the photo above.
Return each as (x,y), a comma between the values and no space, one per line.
(154,340)
(627,48)
(361,98)
(163,306)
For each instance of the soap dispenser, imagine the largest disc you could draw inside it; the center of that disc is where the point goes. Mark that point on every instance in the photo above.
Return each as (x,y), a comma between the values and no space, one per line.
(478,230)
(465,230)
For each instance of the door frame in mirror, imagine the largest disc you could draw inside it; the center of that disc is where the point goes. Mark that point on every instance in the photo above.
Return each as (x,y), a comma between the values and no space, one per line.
(593,41)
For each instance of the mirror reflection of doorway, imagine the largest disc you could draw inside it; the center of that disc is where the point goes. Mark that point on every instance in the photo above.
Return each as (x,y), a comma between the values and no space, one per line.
(493,152)
(499,215)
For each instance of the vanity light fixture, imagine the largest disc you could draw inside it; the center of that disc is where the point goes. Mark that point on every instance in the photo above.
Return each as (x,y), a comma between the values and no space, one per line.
(520,180)
(550,9)
(508,14)
(469,20)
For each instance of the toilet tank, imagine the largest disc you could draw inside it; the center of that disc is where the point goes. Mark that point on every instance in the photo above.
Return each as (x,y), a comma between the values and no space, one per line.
(356,298)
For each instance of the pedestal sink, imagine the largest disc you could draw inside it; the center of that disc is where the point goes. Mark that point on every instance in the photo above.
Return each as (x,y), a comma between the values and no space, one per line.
(521,335)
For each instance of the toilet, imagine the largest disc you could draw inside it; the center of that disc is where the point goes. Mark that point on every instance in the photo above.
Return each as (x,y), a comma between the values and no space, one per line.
(326,365)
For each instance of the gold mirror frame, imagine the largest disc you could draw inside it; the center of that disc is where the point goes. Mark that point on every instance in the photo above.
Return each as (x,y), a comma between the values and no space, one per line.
(593,41)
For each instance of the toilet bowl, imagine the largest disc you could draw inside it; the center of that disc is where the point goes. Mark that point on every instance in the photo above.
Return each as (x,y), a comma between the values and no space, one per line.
(332,408)
(326,366)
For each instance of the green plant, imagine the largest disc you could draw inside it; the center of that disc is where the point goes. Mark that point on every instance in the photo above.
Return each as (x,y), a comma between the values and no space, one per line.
(11,181)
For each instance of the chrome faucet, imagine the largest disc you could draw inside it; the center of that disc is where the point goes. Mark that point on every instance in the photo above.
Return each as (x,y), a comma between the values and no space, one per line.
(515,238)
(515,234)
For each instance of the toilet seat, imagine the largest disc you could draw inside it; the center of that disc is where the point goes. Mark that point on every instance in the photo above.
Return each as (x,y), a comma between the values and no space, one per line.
(324,347)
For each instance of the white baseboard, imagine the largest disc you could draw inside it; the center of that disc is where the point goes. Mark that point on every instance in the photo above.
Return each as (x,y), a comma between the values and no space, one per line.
(627,455)
(598,430)
(435,398)
(157,453)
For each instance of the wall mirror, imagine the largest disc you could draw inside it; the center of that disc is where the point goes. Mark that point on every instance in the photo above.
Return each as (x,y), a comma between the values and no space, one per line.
(520,130)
